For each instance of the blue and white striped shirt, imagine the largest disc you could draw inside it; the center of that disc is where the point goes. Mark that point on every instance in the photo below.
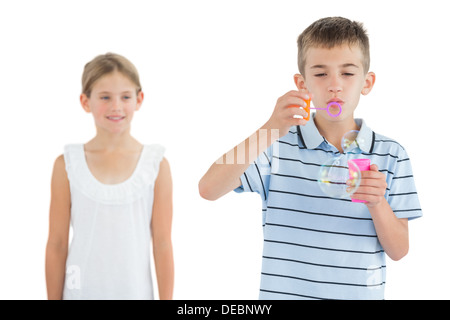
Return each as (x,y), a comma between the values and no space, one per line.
(315,246)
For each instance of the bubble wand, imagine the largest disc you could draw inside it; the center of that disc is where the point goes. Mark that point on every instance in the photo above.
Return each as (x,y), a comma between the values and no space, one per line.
(308,107)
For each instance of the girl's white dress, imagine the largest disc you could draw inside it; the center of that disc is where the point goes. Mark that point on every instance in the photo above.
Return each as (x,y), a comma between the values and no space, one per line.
(109,255)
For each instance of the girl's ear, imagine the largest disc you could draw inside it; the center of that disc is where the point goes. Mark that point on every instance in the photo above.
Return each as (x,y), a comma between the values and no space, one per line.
(84,100)
(368,83)
(140,99)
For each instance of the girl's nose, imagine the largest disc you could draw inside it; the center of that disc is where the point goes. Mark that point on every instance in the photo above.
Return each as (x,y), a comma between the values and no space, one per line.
(117,104)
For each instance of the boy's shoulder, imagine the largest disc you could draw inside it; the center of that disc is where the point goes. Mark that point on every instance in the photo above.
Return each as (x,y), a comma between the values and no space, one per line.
(385,144)
(371,142)
(294,137)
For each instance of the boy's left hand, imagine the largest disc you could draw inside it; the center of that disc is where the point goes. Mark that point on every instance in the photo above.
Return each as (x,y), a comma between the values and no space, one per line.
(372,187)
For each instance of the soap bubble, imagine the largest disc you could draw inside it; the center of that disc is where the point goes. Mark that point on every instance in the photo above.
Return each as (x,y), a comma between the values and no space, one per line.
(334,174)
(351,143)
(348,141)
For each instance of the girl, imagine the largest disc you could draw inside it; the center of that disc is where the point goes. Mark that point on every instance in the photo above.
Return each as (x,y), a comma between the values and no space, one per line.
(117,195)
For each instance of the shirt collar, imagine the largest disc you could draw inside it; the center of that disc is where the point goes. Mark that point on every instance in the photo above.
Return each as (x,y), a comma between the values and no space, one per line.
(311,138)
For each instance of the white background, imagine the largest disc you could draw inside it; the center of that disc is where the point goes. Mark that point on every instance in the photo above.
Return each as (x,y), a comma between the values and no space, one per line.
(211,73)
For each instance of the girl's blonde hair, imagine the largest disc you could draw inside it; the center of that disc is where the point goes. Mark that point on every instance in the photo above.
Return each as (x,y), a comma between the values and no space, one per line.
(105,64)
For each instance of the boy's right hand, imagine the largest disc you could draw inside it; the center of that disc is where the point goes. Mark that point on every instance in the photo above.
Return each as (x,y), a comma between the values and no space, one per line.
(283,115)
(224,175)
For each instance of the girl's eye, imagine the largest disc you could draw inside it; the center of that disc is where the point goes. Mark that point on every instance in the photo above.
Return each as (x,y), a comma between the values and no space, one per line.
(127,97)
(104,98)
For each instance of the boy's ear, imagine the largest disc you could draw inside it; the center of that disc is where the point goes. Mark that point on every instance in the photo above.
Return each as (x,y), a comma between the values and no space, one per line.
(300,82)
(84,100)
(368,83)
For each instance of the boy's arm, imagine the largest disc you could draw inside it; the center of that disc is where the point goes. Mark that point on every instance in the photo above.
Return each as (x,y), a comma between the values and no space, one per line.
(392,232)
(224,175)
(58,238)
(161,227)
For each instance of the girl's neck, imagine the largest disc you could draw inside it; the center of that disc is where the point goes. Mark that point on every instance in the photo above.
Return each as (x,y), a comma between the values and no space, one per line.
(111,142)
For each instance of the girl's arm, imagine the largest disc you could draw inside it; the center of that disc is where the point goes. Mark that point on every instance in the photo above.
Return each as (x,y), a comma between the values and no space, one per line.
(161,227)
(58,237)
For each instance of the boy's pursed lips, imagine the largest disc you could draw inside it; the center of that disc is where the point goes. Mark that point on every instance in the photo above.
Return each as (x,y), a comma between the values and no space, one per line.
(335,100)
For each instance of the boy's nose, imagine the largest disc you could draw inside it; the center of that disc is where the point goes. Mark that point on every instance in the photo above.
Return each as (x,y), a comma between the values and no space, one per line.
(335,85)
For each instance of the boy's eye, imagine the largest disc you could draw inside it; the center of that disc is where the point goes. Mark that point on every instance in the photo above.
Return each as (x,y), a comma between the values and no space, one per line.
(126,97)
(320,75)
(348,74)
(104,98)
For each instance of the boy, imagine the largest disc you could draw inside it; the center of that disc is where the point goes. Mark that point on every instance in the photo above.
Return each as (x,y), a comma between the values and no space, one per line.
(316,246)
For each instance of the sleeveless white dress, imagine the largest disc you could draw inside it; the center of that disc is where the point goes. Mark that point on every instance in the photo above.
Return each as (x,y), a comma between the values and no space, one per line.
(109,255)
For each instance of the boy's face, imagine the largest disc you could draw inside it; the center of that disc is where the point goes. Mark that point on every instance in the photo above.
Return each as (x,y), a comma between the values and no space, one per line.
(335,74)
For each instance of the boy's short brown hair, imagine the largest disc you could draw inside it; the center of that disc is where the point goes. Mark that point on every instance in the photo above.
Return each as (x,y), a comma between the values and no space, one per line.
(332,32)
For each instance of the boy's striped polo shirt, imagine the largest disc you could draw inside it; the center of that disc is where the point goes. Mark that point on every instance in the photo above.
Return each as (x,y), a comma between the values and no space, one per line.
(315,246)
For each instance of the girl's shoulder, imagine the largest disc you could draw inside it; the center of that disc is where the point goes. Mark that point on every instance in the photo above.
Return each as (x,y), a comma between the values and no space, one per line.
(59,166)
(155,151)
(151,158)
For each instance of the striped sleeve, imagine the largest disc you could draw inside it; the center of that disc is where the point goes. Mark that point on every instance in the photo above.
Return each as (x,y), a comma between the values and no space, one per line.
(257,176)
(403,197)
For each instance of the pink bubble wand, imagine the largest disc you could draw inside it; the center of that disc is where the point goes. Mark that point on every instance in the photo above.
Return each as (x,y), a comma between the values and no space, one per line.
(332,103)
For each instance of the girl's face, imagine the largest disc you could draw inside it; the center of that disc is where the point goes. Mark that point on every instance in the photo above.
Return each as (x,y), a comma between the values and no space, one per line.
(113,102)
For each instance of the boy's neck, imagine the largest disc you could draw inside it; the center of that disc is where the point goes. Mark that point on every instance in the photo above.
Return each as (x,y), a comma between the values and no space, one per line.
(333,131)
